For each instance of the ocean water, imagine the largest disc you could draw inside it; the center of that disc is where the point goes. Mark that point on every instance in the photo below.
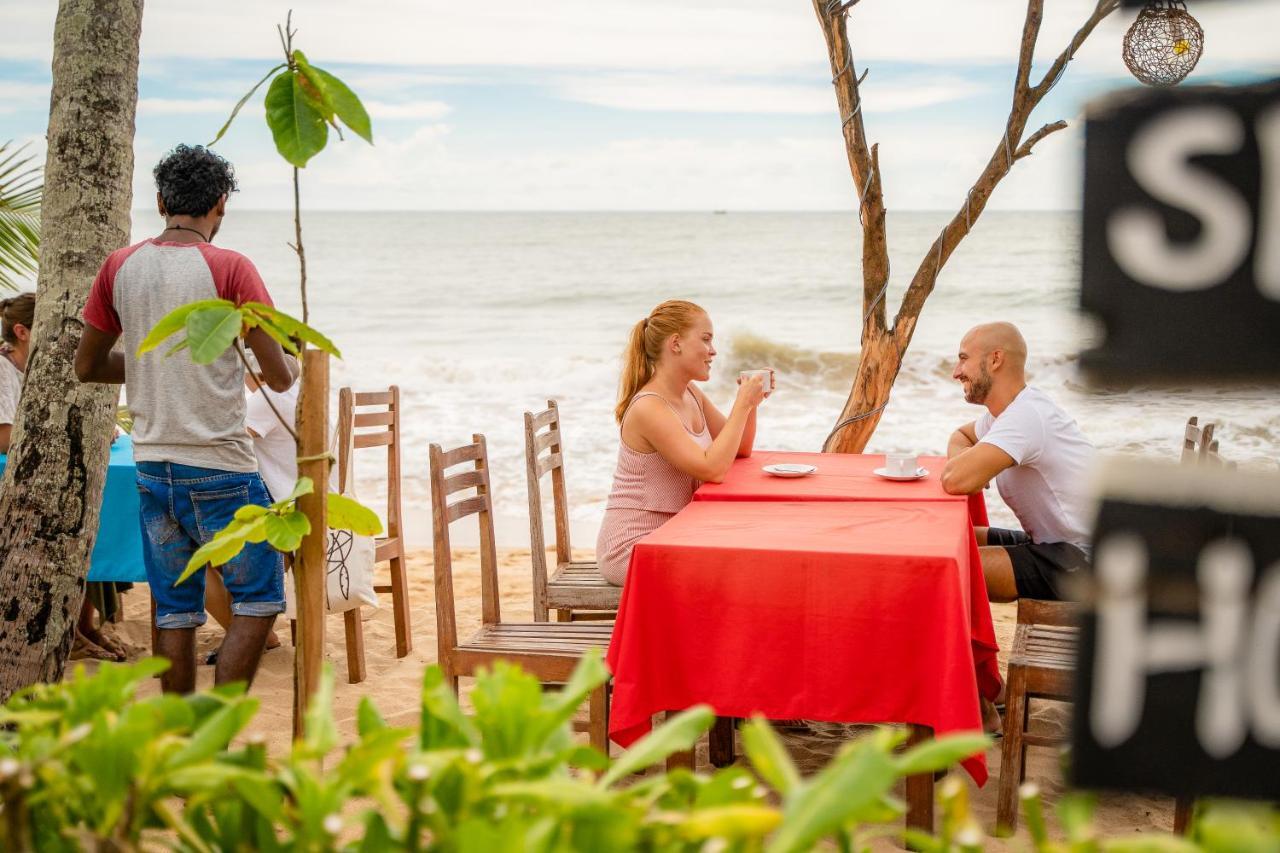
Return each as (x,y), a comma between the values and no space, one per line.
(479,317)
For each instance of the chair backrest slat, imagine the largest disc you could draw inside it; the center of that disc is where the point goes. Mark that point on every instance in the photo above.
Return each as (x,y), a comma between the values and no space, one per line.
(467,506)
(368,419)
(376,398)
(534,445)
(465,480)
(458,455)
(1033,611)
(377,439)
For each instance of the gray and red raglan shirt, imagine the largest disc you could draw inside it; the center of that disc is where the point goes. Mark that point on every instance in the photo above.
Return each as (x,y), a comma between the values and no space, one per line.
(183,412)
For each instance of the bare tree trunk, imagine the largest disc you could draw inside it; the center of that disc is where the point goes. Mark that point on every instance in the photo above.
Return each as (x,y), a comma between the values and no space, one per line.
(883,347)
(52,488)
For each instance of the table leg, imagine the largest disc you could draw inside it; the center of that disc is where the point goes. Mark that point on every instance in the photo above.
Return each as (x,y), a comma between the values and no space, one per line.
(720,742)
(920,788)
(679,760)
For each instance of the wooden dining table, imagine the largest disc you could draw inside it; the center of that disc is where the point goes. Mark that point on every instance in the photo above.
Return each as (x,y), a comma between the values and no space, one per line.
(842,598)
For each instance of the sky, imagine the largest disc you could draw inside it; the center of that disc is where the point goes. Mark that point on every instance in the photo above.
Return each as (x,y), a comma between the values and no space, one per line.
(621,104)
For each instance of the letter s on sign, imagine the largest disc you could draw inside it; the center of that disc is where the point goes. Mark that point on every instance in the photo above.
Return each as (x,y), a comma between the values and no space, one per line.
(1158,158)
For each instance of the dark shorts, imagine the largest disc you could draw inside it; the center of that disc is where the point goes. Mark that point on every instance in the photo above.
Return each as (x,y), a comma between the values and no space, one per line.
(182,507)
(1045,570)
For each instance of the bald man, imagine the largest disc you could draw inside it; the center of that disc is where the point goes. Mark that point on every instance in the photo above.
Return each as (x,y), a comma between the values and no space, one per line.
(1039,459)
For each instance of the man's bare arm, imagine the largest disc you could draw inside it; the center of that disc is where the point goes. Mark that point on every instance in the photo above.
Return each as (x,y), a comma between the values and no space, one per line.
(275,367)
(961,440)
(970,470)
(95,362)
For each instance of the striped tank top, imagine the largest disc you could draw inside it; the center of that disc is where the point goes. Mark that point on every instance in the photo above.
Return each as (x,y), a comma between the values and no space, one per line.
(647,490)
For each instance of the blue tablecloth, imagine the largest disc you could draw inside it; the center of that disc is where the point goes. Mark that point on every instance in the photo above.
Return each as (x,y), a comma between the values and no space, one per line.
(117,553)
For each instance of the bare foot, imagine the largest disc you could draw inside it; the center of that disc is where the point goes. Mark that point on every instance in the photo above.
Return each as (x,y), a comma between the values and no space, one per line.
(273,640)
(83,648)
(991,722)
(104,642)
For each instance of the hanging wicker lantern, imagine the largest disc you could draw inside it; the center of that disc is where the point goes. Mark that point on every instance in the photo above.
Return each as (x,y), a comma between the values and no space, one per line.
(1164,44)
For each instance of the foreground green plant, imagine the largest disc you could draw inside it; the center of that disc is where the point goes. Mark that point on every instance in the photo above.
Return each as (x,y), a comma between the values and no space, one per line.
(85,764)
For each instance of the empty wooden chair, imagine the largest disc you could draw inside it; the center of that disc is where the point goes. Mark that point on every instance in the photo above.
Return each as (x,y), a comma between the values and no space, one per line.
(377,428)
(575,588)
(549,651)
(1198,443)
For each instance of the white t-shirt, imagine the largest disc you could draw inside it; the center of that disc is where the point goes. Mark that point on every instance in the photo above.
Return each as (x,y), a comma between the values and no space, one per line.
(10,390)
(1047,488)
(277,454)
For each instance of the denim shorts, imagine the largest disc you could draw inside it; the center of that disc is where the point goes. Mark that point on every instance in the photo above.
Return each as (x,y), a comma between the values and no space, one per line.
(182,507)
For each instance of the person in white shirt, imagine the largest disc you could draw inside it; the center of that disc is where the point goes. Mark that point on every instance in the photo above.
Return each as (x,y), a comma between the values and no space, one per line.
(277,463)
(1039,459)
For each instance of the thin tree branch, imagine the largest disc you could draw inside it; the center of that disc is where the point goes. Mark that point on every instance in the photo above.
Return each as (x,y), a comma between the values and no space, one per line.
(863,163)
(1025,149)
(1024,102)
(1104,8)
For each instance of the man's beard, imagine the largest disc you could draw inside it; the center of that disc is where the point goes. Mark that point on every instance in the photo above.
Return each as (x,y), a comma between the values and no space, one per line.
(979,388)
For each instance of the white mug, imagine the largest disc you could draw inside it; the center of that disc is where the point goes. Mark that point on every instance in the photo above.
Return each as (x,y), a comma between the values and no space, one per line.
(765,374)
(901,464)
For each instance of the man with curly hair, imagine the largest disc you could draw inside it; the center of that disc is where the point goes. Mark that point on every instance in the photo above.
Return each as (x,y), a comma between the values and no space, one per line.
(196,464)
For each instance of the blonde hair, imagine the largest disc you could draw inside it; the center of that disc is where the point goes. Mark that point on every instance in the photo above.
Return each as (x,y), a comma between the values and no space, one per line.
(644,346)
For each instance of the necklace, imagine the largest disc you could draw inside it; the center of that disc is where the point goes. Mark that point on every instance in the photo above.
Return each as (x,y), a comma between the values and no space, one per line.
(200,234)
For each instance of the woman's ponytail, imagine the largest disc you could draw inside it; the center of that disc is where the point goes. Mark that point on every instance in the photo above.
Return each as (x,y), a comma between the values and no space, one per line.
(644,346)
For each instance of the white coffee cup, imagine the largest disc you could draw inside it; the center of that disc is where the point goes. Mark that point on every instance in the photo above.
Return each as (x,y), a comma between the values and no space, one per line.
(765,374)
(901,464)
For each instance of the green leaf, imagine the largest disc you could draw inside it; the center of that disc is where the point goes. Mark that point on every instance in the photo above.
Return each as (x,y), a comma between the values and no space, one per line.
(368,720)
(680,732)
(20,195)
(768,756)
(211,331)
(214,734)
(239,104)
(291,327)
(320,731)
(298,128)
(853,783)
(346,105)
(941,753)
(313,87)
(225,544)
(735,821)
(176,320)
(443,725)
(285,530)
(249,512)
(348,514)
(588,675)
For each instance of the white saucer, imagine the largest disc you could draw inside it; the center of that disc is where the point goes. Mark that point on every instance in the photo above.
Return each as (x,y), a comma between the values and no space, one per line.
(789,469)
(884,472)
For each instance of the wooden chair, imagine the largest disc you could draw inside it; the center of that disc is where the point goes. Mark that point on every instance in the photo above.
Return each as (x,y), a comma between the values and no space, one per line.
(389,548)
(575,586)
(1197,441)
(549,651)
(1041,666)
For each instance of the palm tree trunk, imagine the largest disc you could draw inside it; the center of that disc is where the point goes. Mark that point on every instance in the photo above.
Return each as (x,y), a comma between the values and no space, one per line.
(52,488)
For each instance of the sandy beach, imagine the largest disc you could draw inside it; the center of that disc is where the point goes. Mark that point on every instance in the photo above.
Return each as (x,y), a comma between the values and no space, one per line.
(394,685)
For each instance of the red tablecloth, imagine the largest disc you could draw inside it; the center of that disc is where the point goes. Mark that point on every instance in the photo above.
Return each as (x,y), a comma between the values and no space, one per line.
(862,611)
(840,477)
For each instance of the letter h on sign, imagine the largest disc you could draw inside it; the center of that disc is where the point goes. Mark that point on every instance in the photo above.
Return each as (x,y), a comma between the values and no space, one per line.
(1179,673)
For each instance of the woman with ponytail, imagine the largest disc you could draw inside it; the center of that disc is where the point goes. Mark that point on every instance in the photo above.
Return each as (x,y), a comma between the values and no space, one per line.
(673,437)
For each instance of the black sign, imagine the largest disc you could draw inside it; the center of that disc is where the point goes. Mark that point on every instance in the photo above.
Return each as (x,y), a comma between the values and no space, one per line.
(1181,257)
(1179,670)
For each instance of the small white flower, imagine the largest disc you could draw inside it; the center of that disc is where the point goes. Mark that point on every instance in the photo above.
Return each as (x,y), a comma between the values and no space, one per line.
(333,824)
(419,773)
(9,766)
(740,783)
(475,756)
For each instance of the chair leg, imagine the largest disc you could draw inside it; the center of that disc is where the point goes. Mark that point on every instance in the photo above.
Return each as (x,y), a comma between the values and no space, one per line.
(1182,809)
(720,742)
(1012,753)
(920,788)
(400,606)
(355,646)
(293,633)
(598,718)
(564,615)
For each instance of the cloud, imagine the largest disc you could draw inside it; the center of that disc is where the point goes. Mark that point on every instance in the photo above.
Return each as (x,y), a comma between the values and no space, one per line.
(685,93)
(16,95)
(183,106)
(407,110)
